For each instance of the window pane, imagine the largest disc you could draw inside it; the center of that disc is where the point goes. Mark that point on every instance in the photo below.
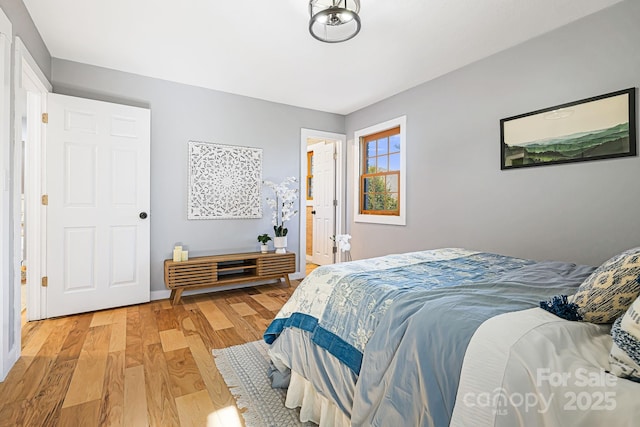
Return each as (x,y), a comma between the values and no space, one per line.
(394,143)
(367,185)
(371,148)
(377,184)
(383,164)
(371,165)
(310,188)
(394,162)
(391,201)
(392,183)
(377,201)
(367,203)
(383,146)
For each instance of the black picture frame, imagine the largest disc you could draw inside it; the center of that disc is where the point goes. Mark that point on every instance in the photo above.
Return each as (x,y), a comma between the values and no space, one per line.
(600,127)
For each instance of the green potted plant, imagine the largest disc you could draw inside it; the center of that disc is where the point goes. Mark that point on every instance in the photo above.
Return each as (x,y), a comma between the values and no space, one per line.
(263,239)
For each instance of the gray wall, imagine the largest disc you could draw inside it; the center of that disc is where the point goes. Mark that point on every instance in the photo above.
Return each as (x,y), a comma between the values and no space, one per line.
(180,113)
(456,193)
(24,28)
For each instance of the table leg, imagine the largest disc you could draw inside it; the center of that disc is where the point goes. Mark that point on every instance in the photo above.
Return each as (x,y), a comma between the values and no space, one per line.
(176,297)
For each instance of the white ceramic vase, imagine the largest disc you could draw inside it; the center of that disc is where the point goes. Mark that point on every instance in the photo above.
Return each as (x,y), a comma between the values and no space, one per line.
(264,248)
(280,243)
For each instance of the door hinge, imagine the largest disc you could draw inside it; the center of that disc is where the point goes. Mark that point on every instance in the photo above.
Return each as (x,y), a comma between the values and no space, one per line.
(335,249)
(335,156)
(45,281)
(45,199)
(45,118)
(335,203)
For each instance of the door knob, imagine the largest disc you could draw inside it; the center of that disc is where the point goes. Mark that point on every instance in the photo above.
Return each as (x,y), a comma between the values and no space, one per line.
(313,212)
(143,215)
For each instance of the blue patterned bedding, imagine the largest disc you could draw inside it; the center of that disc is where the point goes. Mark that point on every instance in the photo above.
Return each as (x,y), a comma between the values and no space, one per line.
(376,315)
(344,311)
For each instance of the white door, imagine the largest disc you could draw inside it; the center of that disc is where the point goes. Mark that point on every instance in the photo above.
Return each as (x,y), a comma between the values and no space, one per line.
(98,189)
(323,203)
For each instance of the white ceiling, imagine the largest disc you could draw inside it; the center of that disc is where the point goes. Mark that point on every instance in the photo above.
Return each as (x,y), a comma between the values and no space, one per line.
(262,48)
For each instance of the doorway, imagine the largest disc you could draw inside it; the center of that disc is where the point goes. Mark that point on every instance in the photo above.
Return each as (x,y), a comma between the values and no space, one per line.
(31,89)
(322,195)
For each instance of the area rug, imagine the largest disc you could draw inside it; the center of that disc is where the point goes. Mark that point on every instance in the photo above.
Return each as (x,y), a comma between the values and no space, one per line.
(244,370)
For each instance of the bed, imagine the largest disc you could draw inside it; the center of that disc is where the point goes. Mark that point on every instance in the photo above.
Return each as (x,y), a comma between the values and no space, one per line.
(408,339)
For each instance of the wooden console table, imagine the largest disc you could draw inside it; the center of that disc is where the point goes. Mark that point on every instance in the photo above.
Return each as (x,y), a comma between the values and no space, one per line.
(220,270)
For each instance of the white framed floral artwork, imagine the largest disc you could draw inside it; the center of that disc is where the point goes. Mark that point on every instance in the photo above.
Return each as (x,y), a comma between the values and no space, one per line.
(225,181)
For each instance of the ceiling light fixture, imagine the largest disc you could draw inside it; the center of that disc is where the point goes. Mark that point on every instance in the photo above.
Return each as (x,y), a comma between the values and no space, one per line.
(334,21)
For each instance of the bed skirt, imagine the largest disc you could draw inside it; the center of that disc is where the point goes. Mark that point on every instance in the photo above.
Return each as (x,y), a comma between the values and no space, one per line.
(313,406)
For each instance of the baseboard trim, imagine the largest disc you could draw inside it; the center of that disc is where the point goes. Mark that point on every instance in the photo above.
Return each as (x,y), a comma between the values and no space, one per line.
(165,293)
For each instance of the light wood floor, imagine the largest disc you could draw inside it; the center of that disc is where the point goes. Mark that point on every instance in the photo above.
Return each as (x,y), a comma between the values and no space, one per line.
(310,267)
(141,365)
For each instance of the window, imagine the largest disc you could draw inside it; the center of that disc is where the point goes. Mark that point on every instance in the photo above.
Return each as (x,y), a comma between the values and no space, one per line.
(380,174)
(380,161)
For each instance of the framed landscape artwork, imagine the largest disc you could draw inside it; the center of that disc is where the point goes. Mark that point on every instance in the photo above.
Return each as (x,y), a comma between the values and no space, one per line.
(596,128)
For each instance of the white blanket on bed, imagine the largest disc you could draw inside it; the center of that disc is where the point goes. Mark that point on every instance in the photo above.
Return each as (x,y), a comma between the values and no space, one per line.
(531,368)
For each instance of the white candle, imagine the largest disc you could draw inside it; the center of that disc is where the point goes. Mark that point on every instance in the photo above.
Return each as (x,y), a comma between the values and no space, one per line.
(177,253)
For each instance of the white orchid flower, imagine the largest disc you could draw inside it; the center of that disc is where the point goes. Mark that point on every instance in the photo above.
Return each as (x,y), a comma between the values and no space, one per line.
(283,205)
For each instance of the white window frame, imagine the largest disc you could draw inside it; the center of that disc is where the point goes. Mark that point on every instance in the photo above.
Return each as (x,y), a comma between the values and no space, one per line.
(357,167)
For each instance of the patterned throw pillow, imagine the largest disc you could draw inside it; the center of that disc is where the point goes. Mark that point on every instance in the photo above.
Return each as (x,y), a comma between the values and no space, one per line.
(625,351)
(605,294)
